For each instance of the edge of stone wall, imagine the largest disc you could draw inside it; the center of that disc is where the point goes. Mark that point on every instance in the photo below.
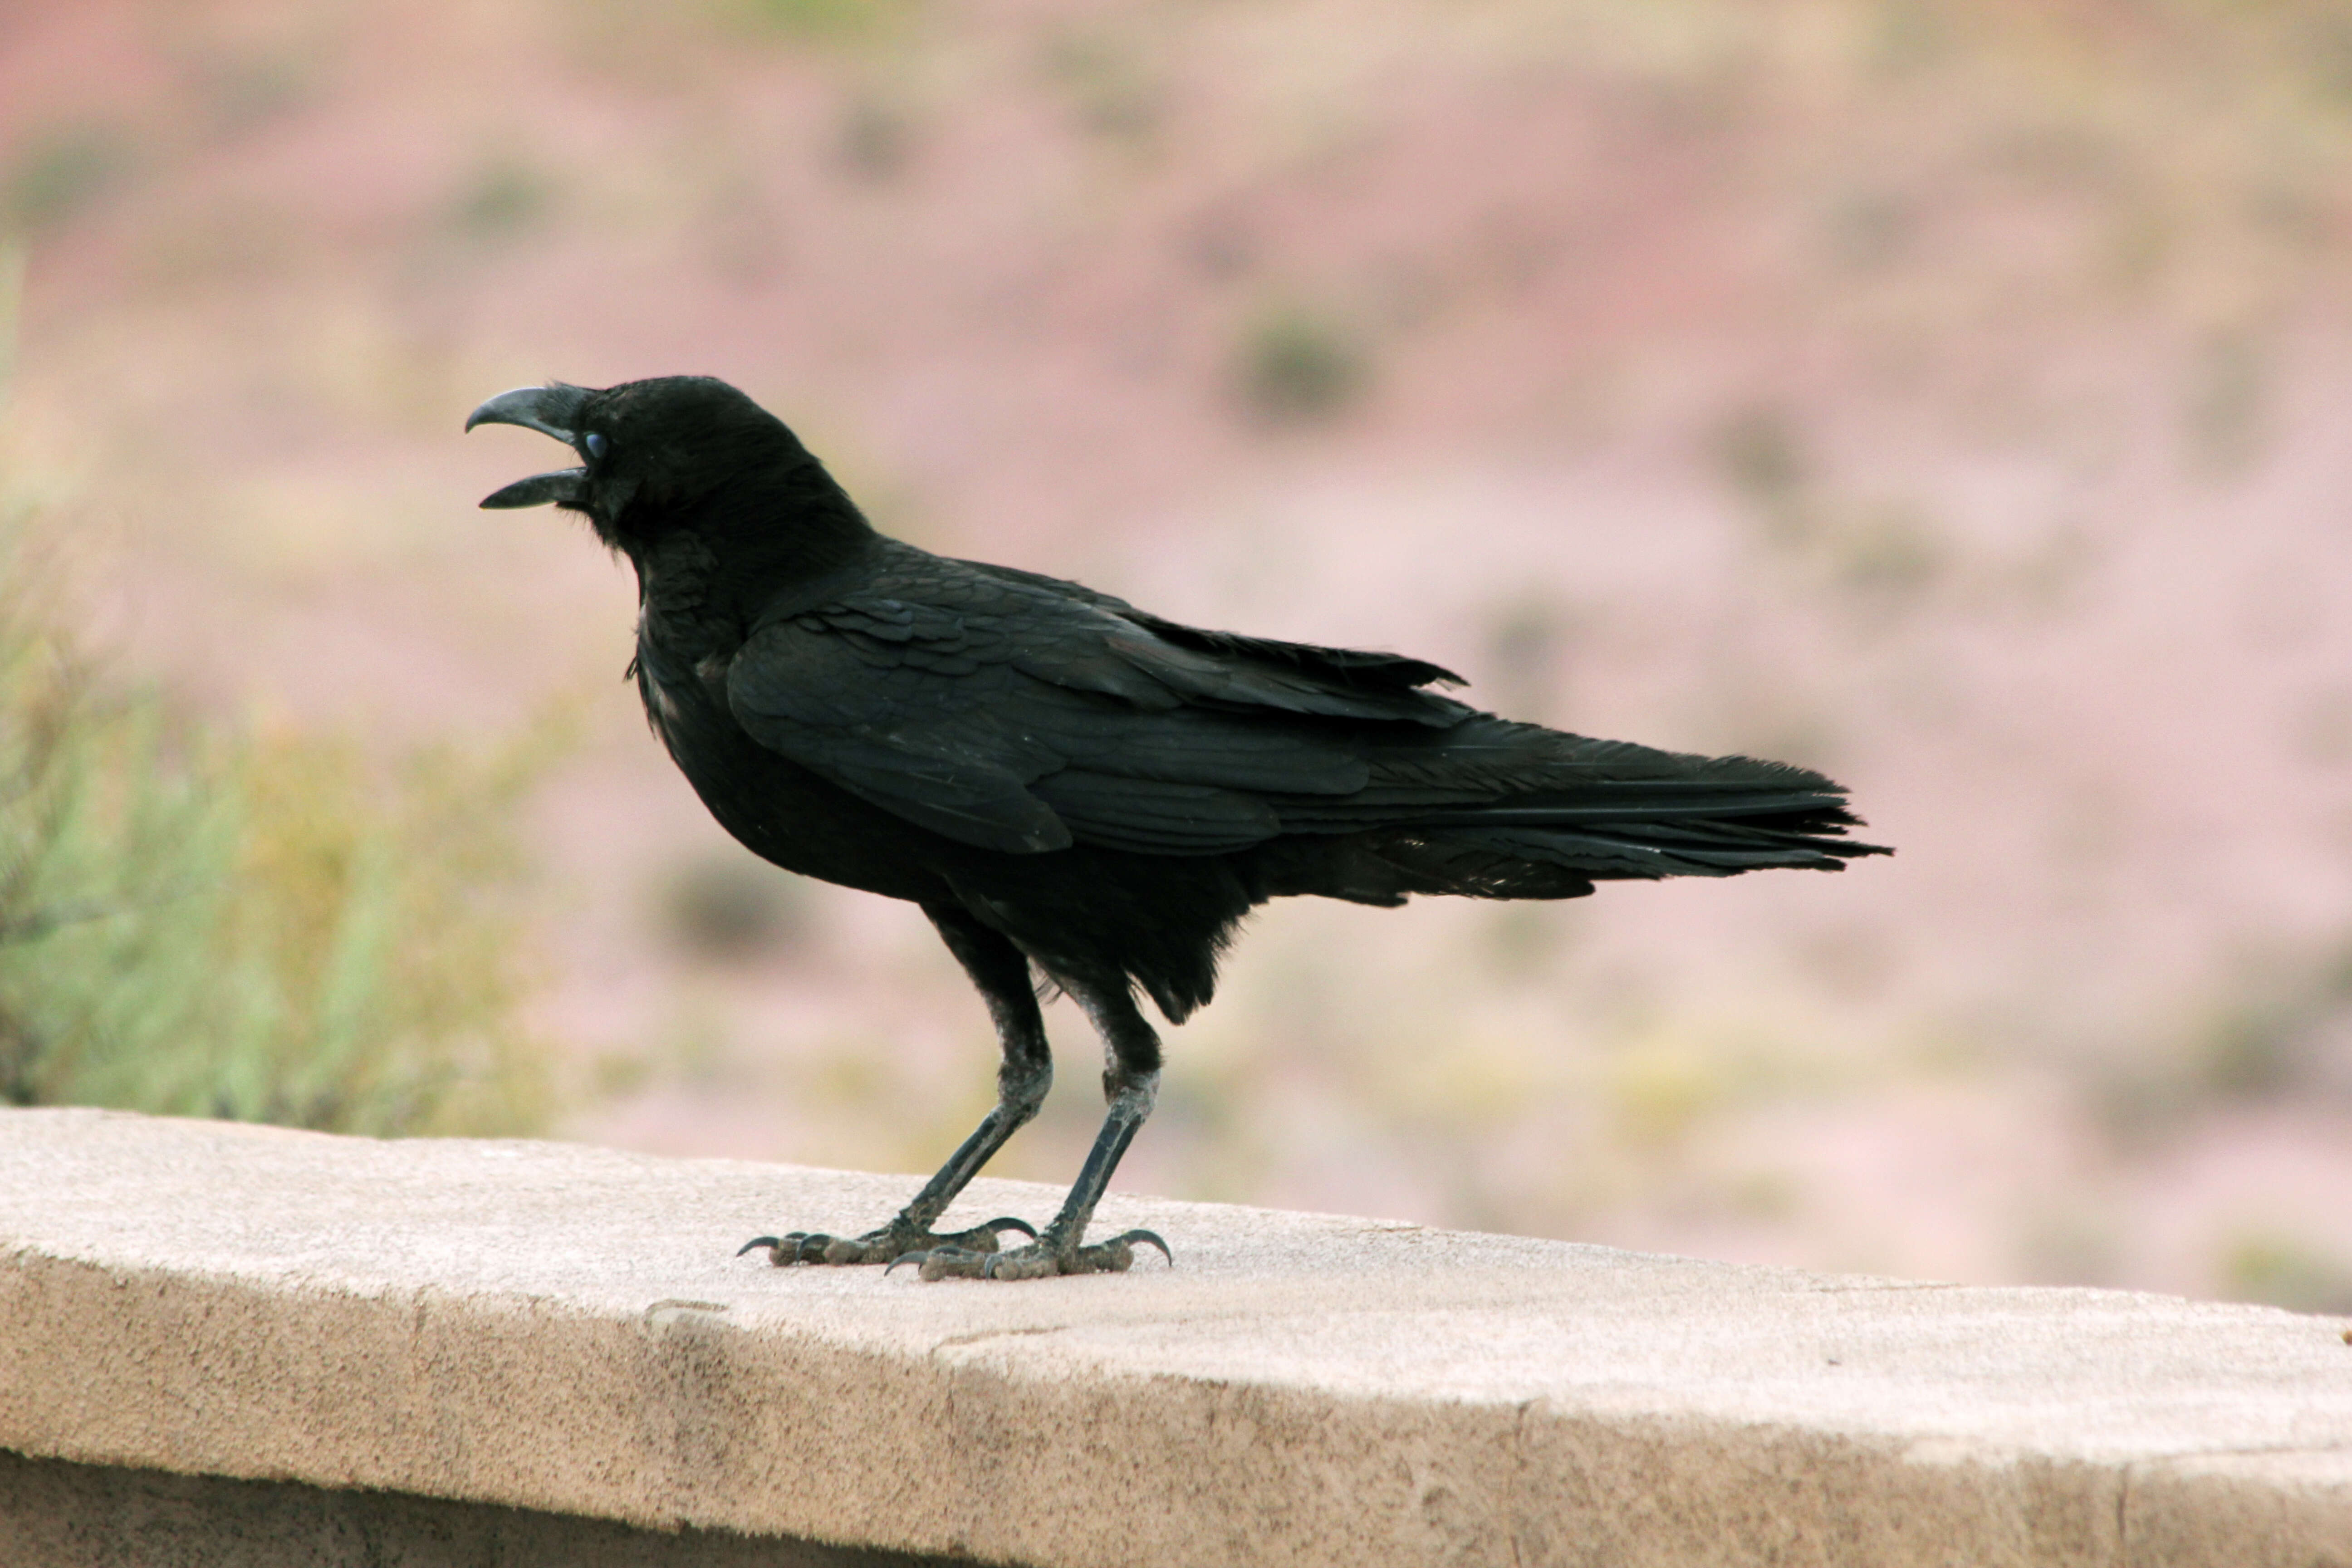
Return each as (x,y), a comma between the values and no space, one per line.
(565,1329)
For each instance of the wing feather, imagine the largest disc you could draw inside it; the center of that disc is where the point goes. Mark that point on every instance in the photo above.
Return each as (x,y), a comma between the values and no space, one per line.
(1021,714)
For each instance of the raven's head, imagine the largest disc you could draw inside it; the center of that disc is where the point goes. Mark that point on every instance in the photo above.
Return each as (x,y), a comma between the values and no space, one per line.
(652,452)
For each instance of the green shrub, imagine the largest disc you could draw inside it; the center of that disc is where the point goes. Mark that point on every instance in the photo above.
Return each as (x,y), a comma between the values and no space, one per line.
(1297,367)
(260,927)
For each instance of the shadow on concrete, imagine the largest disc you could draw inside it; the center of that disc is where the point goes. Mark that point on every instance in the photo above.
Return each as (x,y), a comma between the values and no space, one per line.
(54,1514)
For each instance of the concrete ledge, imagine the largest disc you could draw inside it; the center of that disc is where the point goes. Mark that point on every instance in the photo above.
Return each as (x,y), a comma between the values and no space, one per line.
(562,1329)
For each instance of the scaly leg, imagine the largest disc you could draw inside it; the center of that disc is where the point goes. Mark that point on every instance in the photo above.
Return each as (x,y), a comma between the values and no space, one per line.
(1131,1082)
(1001,971)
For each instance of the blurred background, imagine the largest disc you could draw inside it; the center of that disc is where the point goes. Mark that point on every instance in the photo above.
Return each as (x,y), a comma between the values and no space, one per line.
(1950,396)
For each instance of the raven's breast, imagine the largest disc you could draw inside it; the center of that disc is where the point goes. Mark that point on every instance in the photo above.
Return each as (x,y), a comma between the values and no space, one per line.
(774,807)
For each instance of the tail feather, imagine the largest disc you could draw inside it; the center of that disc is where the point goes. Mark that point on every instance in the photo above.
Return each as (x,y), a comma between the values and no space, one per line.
(1604,805)
(1523,813)
(1654,851)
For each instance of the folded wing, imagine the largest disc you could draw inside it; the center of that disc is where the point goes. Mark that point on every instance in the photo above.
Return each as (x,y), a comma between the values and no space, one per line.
(1021,714)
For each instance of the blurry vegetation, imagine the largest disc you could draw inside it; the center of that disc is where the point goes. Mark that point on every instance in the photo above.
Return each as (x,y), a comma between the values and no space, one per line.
(1890,553)
(2279,1027)
(243,91)
(2228,402)
(2305,45)
(875,138)
(1112,90)
(1526,639)
(1760,457)
(502,197)
(2283,1032)
(1297,365)
(729,908)
(1910,35)
(1878,555)
(255,927)
(1660,1087)
(1871,229)
(2283,1272)
(60,173)
(823,21)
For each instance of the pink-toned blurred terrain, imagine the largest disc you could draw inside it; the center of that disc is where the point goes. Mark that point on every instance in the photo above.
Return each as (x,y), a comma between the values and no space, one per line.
(1958,398)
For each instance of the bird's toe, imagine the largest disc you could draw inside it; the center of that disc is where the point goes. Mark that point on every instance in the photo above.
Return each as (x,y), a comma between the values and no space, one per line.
(1037,1260)
(892,1243)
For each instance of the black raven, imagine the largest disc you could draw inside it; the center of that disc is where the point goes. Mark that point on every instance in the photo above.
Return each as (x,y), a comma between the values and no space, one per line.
(1066,783)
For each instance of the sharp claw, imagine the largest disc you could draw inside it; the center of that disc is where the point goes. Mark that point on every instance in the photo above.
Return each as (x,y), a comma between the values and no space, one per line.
(1009,1222)
(771,1242)
(1150,1239)
(916,1258)
(956,1262)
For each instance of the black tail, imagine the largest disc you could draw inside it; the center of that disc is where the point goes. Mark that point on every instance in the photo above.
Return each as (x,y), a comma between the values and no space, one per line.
(1553,813)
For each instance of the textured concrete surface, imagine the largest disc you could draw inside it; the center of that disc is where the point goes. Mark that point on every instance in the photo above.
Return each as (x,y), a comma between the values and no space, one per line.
(566,1330)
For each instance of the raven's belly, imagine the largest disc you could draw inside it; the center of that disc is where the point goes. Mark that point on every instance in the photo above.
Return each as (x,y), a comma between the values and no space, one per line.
(788,816)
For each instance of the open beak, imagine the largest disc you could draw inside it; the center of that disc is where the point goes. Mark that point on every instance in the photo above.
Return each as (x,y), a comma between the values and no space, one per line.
(552,411)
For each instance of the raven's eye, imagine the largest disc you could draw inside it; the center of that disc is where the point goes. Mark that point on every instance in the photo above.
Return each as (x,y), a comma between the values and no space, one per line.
(595,445)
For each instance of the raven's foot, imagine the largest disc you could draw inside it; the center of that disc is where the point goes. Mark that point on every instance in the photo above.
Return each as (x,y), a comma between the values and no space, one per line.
(892,1242)
(1039,1261)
